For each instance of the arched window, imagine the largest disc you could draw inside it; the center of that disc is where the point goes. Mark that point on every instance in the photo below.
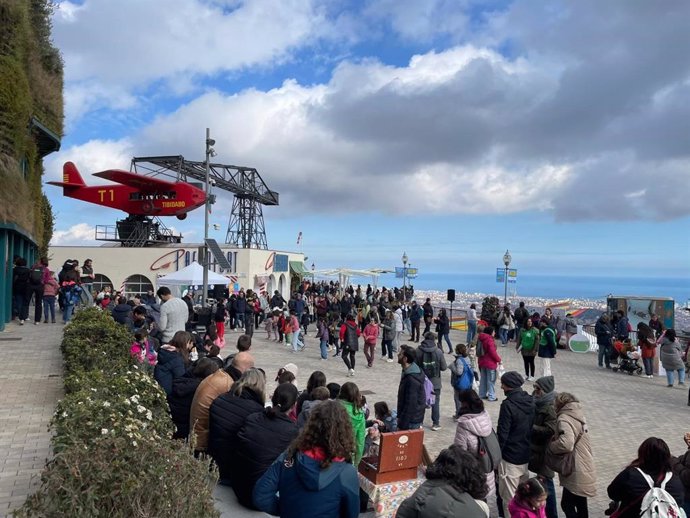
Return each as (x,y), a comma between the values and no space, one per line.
(136,285)
(100,281)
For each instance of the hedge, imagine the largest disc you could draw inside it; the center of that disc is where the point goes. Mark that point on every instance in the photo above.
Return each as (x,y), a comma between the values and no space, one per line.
(113,455)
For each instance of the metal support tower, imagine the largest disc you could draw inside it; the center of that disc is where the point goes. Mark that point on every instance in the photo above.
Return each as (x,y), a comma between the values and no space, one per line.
(246,226)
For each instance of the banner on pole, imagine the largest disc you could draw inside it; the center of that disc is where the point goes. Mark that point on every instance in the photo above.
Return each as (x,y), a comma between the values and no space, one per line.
(410,273)
(501,275)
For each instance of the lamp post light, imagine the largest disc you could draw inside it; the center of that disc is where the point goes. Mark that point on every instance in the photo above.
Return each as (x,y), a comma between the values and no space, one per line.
(506,261)
(209,153)
(313,267)
(404,261)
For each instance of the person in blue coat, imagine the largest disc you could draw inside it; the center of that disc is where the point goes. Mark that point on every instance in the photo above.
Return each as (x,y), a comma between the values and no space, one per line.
(315,477)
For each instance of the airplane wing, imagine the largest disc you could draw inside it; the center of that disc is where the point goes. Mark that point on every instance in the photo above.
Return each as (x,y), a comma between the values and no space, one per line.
(141,182)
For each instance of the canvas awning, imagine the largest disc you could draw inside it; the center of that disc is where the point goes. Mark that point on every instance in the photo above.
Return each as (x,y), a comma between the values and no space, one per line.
(192,275)
(298,268)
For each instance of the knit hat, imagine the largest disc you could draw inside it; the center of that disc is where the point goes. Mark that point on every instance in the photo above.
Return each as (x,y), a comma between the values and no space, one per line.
(546,384)
(512,379)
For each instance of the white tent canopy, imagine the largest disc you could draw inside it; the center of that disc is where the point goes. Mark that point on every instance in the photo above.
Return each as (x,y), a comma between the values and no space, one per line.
(344,274)
(192,275)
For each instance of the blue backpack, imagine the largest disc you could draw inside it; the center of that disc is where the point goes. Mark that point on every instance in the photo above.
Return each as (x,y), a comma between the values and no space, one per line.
(465,380)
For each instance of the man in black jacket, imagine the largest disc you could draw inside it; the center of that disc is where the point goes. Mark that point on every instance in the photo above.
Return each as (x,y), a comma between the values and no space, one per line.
(604,332)
(514,432)
(432,362)
(411,396)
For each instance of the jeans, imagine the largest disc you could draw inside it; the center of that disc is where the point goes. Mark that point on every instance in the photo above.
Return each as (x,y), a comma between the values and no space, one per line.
(445,337)
(574,506)
(551,505)
(407,325)
(487,381)
(415,331)
(648,366)
(369,353)
(388,348)
(471,330)
(529,365)
(503,334)
(435,408)
(239,319)
(294,340)
(681,376)
(396,341)
(411,426)
(87,295)
(67,312)
(324,349)
(604,355)
(349,358)
(49,306)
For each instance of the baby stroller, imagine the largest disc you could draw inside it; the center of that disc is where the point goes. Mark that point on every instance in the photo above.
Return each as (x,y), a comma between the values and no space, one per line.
(629,359)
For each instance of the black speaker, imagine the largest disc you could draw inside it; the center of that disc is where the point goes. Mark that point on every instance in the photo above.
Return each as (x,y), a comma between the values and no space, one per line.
(451,295)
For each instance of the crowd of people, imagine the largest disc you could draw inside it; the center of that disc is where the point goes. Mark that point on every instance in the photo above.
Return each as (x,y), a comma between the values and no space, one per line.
(292,453)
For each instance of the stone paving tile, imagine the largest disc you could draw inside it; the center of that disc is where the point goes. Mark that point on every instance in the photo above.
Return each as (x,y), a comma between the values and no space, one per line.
(30,384)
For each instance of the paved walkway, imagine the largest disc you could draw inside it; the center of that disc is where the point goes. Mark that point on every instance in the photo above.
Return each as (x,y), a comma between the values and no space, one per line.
(30,385)
(622,410)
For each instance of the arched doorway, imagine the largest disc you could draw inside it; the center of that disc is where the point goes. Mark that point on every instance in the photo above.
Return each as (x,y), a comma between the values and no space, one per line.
(282,285)
(271,285)
(100,281)
(136,285)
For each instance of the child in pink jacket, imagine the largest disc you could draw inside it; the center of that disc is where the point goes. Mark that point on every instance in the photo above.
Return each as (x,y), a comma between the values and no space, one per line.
(371,334)
(529,500)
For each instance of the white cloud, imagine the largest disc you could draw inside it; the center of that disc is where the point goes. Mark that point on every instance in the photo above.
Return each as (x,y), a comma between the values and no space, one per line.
(80,234)
(91,157)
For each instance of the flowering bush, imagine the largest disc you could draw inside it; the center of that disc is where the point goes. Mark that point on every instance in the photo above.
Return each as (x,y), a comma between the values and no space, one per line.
(113,453)
(112,478)
(130,405)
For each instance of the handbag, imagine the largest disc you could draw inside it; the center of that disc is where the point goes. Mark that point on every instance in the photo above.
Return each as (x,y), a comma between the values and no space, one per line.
(564,463)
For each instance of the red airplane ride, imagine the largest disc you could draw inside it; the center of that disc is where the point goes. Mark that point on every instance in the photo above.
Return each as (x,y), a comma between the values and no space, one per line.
(137,194)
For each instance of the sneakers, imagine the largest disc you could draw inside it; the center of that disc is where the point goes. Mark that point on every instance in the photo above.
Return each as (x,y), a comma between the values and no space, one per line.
(383,357)
(35,323)
(21,322)
(45,321)
(351,373)
(436,428)
(390,360)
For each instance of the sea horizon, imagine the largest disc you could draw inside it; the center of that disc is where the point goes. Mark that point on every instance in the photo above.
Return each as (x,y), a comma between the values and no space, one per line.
(556,286)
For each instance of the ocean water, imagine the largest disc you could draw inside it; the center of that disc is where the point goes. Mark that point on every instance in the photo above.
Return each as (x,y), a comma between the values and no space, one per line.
(553,286)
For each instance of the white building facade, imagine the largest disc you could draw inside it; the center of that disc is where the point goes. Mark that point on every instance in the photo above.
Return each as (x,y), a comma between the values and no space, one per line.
(135,270)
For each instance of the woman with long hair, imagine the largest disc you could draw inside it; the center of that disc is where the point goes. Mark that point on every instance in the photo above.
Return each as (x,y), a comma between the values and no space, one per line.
(473,422)
(572,438)
(647,343)
(351,399)
(228,414)
(653,464)
(671,357)
(264,436)
(173,360)
(316,379)
(455,486)
(315,477)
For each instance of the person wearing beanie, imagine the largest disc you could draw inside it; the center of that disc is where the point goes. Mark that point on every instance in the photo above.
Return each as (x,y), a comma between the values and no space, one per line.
(514,431)
(543,429)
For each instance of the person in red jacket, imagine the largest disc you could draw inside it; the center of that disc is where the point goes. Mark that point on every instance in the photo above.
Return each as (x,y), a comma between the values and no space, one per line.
(371,335)
(488,364)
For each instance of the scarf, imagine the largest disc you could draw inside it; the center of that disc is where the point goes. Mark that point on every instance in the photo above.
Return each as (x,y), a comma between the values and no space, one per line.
(545,399)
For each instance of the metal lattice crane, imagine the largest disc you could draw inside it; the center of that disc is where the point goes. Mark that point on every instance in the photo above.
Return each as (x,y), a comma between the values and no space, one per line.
(246,226)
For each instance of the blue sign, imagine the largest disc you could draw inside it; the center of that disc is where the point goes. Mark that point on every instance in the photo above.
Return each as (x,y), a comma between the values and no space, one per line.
(501,275)
(281,263)
(410,273)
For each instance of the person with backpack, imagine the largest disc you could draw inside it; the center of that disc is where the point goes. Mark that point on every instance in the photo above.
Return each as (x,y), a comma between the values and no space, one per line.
(432,362)
(543,430)
(411,394)
(488,361)
(571,449)
(461,375)
(349,336)
(37,276)
(472,433)
(527,345)
(521,316)
(547,347)
(648,482)
(681,467)
(514,430)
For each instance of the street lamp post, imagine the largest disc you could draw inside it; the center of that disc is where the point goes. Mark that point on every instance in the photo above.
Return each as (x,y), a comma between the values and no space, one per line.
(313,267)
(209,153)
(404,261)
(506,261)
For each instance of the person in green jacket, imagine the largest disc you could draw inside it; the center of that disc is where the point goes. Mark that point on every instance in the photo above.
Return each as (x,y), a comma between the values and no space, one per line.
(528,345)
(351,399)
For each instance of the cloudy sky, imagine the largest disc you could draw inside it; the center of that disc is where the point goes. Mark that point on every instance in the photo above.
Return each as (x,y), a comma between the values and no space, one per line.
(449,129)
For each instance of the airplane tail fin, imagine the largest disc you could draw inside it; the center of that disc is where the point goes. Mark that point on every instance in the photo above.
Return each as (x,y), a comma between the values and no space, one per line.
(70,177)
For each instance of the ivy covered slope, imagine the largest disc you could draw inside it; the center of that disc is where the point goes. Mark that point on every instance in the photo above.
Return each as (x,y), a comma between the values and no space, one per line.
(30,88)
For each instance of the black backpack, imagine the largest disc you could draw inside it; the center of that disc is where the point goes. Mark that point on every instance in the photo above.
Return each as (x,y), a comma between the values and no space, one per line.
(36,275)
(430,365)
(488,452)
